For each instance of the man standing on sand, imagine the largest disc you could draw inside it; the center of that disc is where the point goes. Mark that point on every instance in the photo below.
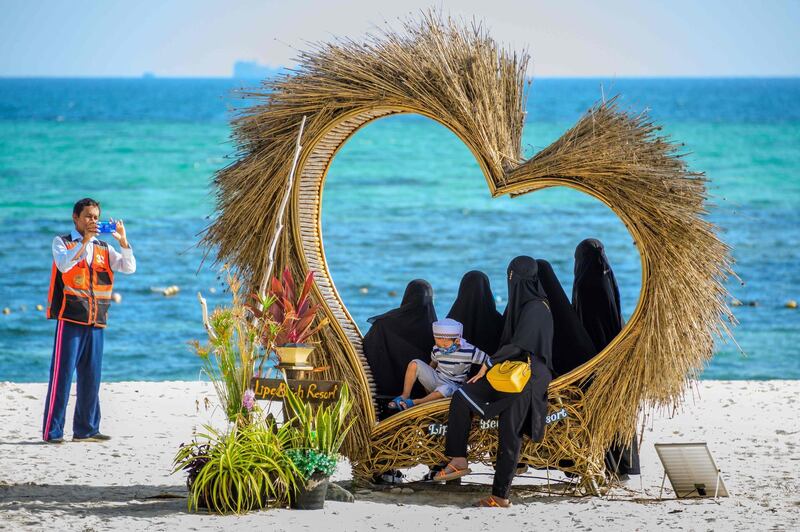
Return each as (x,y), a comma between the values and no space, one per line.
(81,285)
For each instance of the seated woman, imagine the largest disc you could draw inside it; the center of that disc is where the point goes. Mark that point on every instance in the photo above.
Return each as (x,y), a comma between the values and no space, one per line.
(476,309)
(595,296)
(399,336)
(595,293)
(451,359)
(527,335)
(572,345)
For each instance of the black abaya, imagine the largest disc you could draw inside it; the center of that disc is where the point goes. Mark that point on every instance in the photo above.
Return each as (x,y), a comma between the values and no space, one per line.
(595,294)
(572,345)
(399,336)
(595,297)
(527,333)
(476,310)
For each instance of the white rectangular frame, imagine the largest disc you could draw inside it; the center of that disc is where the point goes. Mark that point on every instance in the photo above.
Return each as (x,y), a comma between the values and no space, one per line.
(691,470)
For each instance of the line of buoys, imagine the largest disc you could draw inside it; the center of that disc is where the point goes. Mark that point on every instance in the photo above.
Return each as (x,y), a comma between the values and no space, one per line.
(754,303)
(171,290)
(168,291)
(738,303)
(165,291)
(116,297)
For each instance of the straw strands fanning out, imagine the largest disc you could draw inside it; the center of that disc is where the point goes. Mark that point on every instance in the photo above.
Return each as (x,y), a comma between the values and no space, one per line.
(457,75)
(622,160)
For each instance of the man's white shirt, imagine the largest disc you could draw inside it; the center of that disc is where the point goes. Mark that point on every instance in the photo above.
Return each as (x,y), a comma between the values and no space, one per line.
(120,261)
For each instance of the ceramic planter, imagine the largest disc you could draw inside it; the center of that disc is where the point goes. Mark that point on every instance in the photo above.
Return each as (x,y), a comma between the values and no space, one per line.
(294,354)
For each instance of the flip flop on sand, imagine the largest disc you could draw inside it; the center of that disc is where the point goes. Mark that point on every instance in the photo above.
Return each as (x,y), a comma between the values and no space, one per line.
(491,502)
(451,472)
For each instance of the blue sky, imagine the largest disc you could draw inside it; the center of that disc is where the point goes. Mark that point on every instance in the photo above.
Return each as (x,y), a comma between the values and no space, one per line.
(566,38)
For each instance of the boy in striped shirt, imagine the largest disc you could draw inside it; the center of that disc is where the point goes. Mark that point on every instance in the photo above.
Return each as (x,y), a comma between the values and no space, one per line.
(451,359)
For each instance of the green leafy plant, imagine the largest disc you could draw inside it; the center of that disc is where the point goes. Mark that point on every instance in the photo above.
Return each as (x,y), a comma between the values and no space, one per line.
(318,432)
(233,349)
(239,470)
(309,462)
(291,311)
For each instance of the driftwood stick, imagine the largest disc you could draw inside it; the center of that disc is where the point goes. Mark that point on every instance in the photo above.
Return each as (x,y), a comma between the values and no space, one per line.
(262,289)
(206,323)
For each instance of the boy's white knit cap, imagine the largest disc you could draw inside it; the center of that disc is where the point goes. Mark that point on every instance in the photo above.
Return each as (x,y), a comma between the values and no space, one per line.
(447,328)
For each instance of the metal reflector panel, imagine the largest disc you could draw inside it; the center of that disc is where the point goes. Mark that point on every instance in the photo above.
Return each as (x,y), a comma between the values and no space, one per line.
(691,470)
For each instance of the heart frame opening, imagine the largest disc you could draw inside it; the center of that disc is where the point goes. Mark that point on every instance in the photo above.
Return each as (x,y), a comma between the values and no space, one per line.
(312,172)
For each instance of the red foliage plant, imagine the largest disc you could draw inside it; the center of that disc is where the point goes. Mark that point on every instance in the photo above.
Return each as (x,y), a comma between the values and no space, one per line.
(293,311)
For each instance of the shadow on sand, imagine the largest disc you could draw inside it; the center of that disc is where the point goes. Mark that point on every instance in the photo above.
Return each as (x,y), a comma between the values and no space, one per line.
(100,501)
(142,501)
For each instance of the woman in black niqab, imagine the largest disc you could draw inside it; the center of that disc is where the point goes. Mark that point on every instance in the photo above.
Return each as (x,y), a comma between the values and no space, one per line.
(476,310)
(397,337)
(595,294)
(527,335)
(572,345)
(595,297)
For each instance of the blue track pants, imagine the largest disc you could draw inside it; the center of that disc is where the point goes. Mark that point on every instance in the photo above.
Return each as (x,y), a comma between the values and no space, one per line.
(76,348)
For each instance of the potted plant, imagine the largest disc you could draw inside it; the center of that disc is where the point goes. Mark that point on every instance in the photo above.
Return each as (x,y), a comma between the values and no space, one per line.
(234,346)
(242,469)
(317,435)
(292,314)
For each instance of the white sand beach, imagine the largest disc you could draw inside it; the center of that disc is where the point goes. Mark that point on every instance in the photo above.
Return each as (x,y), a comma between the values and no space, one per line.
(751,427)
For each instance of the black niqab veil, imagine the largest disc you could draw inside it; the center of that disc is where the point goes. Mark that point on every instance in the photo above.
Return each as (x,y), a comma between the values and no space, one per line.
(572,345)
(399,336)
(476,310)
(595,294)
(528,331)
(523,313)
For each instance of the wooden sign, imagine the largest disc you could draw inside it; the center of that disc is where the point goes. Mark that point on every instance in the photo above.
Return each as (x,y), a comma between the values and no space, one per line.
(307,390)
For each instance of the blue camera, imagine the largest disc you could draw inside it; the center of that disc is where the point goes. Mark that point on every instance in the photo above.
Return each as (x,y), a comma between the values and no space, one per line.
(106,227)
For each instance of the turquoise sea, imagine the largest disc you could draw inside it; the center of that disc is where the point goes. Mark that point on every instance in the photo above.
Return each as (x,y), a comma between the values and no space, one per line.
(404,199)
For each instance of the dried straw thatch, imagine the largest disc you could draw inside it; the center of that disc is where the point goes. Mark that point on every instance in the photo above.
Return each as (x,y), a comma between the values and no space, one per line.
(458,76)
(621,160)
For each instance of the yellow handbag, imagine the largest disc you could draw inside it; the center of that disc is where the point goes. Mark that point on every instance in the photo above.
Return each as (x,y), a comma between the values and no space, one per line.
(509,376)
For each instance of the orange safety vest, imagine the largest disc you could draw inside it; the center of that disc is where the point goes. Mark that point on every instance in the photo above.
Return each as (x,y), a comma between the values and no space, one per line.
(82,294)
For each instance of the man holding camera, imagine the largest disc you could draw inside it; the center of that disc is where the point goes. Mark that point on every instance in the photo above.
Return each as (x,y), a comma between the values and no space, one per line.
(81,285)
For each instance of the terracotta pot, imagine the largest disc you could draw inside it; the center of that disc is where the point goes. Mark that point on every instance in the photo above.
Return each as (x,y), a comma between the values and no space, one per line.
(296,354)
